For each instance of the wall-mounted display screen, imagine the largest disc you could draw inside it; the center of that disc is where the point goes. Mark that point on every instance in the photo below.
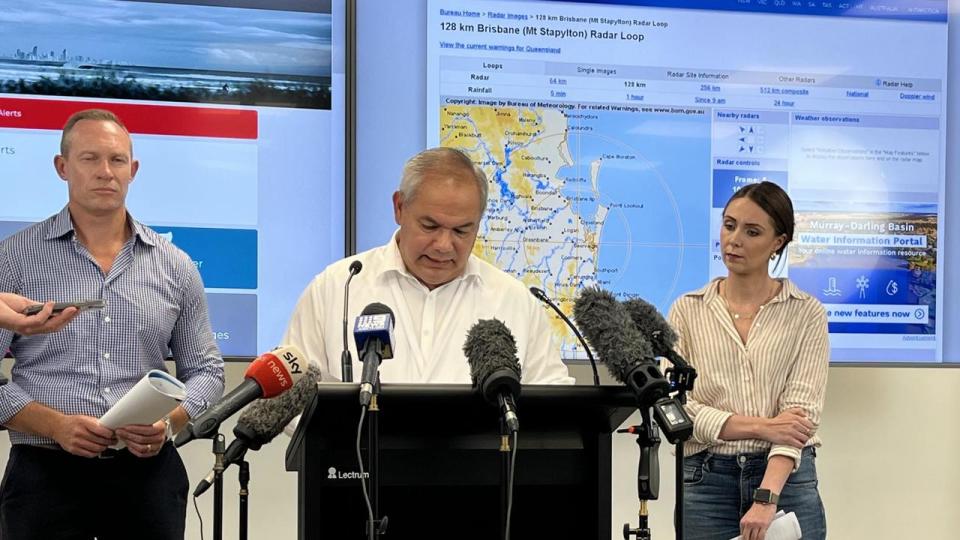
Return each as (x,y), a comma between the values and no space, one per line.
(613,134)
(236,113)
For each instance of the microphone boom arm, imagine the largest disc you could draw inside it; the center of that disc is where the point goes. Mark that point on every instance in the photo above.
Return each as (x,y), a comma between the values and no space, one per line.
(542,296)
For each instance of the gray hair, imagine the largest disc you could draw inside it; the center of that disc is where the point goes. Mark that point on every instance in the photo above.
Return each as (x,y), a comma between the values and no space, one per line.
(440,159)
(102,115)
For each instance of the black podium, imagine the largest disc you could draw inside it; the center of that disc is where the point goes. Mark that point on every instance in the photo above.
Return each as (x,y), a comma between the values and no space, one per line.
(440,462)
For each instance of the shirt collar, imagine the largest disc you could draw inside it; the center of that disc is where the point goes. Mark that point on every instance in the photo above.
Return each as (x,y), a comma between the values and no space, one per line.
(393,264)
(62,225)
(710,291)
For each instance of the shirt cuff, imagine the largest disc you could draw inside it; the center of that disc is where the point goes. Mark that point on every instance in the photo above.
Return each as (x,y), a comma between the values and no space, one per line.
(194,407)
(12,400)
(708,423)
(787,451)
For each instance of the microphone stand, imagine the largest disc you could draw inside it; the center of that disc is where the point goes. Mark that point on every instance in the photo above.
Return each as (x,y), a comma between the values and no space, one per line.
(346,364)
(244,476)
(681,376)
(648,472)
(219,447)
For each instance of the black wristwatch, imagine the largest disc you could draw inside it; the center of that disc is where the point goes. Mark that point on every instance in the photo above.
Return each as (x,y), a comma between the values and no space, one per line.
(765,496)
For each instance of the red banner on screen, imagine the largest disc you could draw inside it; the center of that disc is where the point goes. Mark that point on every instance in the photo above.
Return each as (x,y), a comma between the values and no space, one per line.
(189,121)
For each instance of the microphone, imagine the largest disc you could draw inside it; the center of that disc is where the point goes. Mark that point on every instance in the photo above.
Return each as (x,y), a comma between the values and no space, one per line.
(662,339)
(264,419)
(346,363)
(542,296)
(373,332)
(270,374)
(628,356)
(492,354)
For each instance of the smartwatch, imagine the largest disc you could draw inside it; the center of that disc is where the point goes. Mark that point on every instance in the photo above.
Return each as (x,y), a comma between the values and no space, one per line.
(765,496)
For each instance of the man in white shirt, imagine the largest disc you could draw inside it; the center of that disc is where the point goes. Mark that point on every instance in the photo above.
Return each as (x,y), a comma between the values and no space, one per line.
(436,288)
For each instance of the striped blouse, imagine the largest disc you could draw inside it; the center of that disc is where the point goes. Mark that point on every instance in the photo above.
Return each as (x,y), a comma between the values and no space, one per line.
(783,365)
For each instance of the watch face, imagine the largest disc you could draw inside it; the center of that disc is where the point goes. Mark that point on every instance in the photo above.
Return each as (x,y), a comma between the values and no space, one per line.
(765,496)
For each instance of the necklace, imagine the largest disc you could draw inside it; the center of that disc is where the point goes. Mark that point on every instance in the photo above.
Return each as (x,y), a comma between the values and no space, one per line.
(751,314)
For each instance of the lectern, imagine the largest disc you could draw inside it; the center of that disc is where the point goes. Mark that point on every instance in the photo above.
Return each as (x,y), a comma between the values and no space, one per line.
(440,462)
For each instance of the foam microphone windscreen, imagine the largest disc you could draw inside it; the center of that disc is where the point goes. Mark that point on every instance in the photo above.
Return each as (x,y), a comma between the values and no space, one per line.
(609,330)
(491,349)
(264,419)
(651,325)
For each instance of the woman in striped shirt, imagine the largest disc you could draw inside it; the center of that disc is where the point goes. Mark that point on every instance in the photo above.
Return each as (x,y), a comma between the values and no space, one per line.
(761,350)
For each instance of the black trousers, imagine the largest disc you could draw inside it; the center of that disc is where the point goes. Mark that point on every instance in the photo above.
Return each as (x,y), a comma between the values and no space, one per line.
(53,495)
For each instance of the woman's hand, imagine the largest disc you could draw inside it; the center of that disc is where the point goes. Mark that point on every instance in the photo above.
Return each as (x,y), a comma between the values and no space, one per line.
(791,427)
(757,520)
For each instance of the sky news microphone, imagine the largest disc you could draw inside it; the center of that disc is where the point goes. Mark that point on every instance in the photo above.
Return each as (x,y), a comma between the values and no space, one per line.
(542,296)
(346,363)
(627,355)
(373,333)
(264,419)
(268,375)
(494,369)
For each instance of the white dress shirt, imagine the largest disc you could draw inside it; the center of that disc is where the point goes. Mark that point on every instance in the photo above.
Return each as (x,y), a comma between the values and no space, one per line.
(431,326)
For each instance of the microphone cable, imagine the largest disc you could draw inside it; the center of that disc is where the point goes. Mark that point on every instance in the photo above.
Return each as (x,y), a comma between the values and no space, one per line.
(363,481)
(199,517)
(513,466)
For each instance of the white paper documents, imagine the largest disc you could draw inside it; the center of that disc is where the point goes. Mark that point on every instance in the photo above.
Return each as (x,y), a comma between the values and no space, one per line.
(155,396)
(783,527)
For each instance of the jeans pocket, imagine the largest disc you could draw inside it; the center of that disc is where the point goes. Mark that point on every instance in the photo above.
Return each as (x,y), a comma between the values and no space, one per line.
(692,474)
(805,476)
(806,484)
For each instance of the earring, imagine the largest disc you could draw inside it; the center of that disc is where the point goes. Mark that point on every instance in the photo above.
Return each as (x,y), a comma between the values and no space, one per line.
(773,255)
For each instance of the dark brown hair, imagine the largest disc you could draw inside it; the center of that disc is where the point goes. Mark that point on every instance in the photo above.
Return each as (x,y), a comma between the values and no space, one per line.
(773,200)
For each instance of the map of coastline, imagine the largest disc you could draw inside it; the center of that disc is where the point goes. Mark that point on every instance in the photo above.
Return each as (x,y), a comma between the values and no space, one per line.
(576,198)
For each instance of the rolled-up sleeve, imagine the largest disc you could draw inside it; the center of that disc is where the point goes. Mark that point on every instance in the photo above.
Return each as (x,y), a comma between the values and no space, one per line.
(13,398)
(195,352)
(807,382)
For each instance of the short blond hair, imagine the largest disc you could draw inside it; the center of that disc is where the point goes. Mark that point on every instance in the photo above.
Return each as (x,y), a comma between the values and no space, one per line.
(102,115)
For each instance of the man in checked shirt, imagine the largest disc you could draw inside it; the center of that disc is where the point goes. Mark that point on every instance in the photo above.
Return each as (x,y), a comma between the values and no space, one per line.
(61,479)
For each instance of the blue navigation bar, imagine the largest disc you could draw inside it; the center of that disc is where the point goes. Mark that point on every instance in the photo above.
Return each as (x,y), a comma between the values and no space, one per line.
(910,10)
(226,258)
(233,319)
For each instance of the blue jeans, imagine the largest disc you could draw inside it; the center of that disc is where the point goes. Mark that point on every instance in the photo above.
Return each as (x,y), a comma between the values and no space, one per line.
(718,491)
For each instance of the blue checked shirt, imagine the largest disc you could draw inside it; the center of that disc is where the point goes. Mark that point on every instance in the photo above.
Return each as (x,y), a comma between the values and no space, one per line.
(155,306)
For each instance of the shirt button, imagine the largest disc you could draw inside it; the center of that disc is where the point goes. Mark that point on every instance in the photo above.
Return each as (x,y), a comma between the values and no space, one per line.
(106,319)
(106,355)
(106,390)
